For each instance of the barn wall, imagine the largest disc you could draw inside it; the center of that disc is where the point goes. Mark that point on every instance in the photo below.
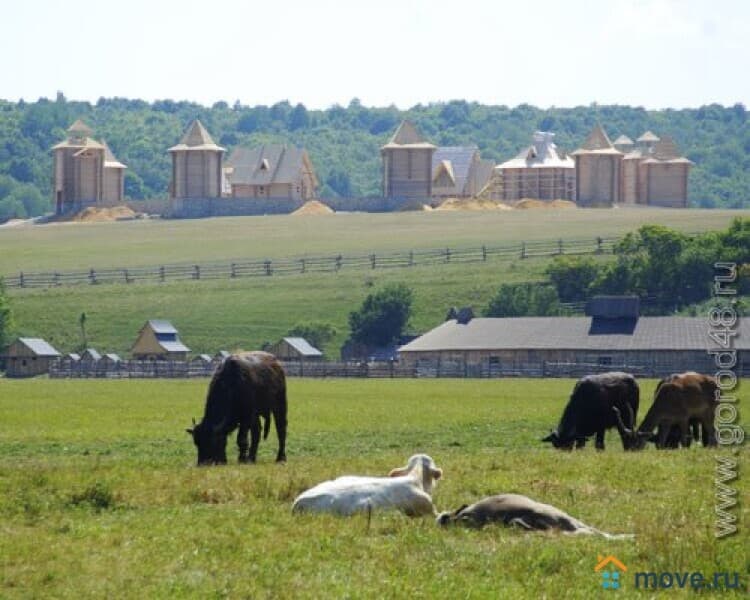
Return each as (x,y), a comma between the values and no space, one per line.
(667,184)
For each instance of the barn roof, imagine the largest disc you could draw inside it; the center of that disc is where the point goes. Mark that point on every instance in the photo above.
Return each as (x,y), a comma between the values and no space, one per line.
(196,138)
(573,333)
(39,346)
(267,164)
(302,346)
(407,136)
(542,153)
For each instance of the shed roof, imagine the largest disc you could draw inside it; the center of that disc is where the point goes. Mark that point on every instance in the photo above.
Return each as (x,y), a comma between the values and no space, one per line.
(196,138)
(91,353)
(80,128)
(173,346)
(407,136)
(302,346)
(161,326)
(571,333)
(112,357)
(39,346)
(623,140)
(267,164)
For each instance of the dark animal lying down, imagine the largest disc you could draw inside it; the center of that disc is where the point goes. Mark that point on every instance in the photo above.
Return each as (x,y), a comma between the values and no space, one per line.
(521,511)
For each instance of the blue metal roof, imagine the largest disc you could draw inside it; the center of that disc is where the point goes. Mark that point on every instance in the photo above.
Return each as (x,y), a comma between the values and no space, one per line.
(39,347)
(174,346)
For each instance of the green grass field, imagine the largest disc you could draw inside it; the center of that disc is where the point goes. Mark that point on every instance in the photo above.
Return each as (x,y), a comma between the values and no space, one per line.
(245,313)
(139,243)
(99,496)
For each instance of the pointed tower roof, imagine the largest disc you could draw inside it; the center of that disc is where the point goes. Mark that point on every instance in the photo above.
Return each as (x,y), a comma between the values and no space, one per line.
(110,162)
(648,137)
(665,150)
(80,128)
(623,140)
(407,136)
(196,138)
(597,143)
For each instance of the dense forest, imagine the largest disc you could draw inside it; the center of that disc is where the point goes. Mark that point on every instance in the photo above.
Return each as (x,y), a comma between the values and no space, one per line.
(343,142)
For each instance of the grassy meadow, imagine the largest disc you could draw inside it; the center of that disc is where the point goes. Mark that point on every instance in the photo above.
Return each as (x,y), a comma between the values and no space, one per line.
(227,314)
(99,496)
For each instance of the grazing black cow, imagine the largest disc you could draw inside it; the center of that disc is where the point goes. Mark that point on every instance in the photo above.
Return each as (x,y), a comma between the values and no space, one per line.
(244,388)
(589,410)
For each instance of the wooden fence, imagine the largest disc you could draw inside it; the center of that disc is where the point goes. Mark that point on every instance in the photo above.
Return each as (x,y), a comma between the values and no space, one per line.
(137,369)
(309,264)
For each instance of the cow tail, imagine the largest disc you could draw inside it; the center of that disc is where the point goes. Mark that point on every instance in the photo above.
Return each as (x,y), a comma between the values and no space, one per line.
(266,425)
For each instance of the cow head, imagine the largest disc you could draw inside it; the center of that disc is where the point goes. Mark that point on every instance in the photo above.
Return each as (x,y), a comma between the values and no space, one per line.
(632,439)
(211,441)
(558,441)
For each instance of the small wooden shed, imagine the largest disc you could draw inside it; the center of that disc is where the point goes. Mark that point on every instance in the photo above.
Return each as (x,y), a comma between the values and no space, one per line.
(90,356)
(27,357)
(158,340)
(295,348)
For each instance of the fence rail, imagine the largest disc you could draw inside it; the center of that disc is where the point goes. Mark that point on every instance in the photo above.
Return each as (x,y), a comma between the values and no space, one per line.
(310,264)
(138,369)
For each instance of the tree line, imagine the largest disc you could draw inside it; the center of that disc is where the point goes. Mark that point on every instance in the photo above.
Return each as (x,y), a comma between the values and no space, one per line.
(343,142)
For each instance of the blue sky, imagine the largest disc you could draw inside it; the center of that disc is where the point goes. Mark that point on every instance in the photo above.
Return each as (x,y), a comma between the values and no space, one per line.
(652,53)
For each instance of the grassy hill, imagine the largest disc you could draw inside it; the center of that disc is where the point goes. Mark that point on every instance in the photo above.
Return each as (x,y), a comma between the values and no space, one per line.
(244,313)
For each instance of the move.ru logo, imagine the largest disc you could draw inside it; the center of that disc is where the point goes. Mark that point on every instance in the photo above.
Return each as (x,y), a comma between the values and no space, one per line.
(610,567)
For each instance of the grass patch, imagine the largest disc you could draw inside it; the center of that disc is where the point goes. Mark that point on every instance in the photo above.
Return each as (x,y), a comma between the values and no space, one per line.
(228,531)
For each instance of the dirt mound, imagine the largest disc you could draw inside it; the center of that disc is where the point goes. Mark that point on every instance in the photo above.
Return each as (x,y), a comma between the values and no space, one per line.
(415,205)
(468,204)
(101,214)
(527,203)
(314,207)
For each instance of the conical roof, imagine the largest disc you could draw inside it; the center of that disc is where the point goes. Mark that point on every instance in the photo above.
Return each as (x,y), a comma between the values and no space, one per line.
(110,161)
(197,138)
(80,129)
(407,136)
(597,142)
(648,137)
(623,140)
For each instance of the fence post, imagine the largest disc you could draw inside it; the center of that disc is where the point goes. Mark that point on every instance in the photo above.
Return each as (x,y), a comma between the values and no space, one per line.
(560,246)
(92,276)
(598,245)
(233,271)
(484,253)
(57,278)
(523,249)
(411,258)
(267,266)
(21,282)
(127,277)
(372,260)
(303,263)
(196,272)
(161,273)
(447,255)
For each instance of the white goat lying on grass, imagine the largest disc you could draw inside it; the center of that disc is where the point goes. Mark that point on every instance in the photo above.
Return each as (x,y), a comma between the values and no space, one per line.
(514,509)
(407,489)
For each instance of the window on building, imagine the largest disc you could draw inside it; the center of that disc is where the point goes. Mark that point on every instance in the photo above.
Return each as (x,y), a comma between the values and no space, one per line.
(605,361)
(494,360)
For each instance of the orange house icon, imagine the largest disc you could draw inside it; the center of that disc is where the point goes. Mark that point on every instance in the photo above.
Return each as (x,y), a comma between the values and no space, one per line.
(607,560)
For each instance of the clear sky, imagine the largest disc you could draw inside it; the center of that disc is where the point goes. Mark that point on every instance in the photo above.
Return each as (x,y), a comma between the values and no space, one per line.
(652,53)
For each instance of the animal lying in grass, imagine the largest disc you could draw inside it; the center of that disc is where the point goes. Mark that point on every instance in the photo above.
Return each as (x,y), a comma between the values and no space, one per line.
(521,511)
(408,489)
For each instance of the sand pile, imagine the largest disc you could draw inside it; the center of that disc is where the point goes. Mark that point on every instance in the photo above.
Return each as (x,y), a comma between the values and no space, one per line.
(97,214)
(314,207)
(415,205)
(527,203)
(468,204)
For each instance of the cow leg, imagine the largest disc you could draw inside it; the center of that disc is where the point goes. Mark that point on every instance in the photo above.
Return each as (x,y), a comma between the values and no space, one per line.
(600,440)
(254,438)
(580,443)
(242,441)
(662,435)
(279,418)
(685,432)
(709,432)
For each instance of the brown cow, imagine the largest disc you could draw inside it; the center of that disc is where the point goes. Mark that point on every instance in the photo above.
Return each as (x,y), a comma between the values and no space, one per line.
(678,400)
